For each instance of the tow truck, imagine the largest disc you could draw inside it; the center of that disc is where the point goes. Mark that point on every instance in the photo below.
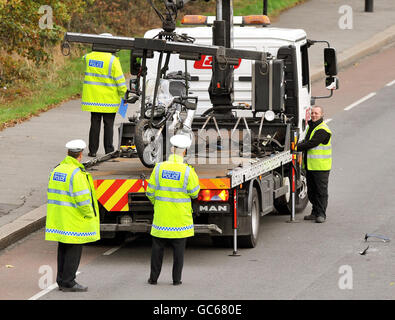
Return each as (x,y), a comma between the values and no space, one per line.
(244,154)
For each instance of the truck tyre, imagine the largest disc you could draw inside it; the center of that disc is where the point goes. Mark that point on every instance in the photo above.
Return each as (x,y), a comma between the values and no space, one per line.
(148,152)
(251,240)
(283,204)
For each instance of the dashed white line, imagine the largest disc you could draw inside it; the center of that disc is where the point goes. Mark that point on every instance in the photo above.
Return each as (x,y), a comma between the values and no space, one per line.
(360,101)
(111,251)
(389,84)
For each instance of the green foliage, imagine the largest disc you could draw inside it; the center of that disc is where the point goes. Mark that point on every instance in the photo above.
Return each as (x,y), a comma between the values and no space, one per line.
(22,36)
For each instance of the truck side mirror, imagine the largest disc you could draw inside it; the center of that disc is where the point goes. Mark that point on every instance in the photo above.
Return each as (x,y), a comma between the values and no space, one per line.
(330,62)
(332,83)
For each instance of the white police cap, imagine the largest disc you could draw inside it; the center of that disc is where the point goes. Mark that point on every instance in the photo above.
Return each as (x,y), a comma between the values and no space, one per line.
(76,145)
(181,141)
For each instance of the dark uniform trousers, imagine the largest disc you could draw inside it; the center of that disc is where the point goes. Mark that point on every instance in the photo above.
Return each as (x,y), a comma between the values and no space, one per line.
(69,256)
(94,132)
(158,247)
(317,191)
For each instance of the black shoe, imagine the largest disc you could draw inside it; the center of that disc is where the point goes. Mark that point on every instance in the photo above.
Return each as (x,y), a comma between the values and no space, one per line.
(150,281)
(310,217)
(320,219)
(177,283)
(91,154)
(76,288)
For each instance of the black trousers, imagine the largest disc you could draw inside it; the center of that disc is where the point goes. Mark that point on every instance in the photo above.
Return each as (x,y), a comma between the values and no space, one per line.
(158,247)
(317,191)
(94,132)
(69,256)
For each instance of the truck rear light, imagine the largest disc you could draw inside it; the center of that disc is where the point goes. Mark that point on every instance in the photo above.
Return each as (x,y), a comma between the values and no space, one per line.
(213,195)
(194,20)
(256,20)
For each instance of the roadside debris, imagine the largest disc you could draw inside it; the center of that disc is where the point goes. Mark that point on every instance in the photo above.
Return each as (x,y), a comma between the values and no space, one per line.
(362,253)
(385,239)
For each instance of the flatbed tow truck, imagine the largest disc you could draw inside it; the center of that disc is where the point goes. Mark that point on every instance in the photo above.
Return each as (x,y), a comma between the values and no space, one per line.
(247,165)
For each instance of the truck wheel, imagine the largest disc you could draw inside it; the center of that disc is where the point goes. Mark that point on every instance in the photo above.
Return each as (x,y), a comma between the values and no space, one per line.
(301,194)
(251,240)
(149,153)
(283,204)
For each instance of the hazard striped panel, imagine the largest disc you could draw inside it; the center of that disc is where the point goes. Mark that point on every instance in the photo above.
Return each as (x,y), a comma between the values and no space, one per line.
(220,183)
(113,194)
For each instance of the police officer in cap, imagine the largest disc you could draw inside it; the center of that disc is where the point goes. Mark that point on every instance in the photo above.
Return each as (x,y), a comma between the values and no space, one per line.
(72,214)
(171,188)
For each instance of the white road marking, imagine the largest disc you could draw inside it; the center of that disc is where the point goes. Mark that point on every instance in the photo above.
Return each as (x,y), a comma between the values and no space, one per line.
(46,290)
(360,101)
(111,251)
(389,84)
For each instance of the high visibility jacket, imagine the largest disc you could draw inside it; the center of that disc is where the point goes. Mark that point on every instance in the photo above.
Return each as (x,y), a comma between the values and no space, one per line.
(104,83)
(72,209)
(320,157)
(171,187)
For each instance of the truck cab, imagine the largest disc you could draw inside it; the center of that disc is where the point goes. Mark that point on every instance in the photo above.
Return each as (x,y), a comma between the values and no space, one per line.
(281,43)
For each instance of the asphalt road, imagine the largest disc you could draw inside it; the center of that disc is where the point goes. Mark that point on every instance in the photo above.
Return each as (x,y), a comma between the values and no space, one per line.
(292,261)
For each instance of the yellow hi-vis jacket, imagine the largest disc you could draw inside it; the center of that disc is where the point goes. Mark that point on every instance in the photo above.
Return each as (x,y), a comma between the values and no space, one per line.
(104,83)
(320,157)
(171,187)
(72,209)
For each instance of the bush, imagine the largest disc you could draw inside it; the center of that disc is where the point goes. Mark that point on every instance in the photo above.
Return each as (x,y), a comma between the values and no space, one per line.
(21,35)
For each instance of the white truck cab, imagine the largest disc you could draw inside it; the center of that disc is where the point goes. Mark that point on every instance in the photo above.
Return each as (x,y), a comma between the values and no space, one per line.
(256,38)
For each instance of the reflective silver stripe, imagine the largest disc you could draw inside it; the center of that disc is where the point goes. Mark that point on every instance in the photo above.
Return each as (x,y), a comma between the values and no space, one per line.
(151,186)
(72,179)
(194,189)
(102,84)
(98,75)
(80,193)
(83,203)
(171,189)
(322,148)
(90,74)
(67,193)
(62,203)
(172,199)
(118,78)
(157,174)
(120,84)
(150,194)
(319,156)
(110,66)
(186,177)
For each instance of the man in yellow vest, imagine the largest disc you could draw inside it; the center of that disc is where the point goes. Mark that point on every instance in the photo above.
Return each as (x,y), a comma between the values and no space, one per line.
(104,87)
(317,150)
(72,214)
(171,187)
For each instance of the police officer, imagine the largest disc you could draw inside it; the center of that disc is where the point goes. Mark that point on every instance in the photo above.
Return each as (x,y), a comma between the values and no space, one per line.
(317,150)
(104,86)
(171,187)
(72,214)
